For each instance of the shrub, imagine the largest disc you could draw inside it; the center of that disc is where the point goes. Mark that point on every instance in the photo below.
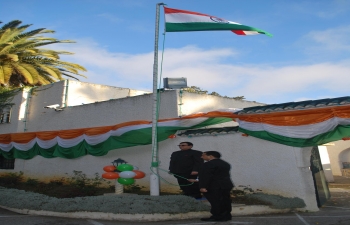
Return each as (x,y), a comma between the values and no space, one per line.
(133,188)
(11,179)
(32,182)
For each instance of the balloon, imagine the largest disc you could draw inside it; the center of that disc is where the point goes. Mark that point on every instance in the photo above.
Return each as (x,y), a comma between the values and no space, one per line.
(126,181)
(109,168)
(135,168)
(110,175)
(125,167)
(172,136)
(139,174)
(127,174)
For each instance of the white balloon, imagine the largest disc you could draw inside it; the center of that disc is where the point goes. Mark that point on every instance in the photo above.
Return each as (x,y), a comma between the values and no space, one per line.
(127,174)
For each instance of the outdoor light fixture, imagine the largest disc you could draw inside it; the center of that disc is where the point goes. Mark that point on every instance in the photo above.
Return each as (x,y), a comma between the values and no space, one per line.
(56,107)
(52,106)
(175,83)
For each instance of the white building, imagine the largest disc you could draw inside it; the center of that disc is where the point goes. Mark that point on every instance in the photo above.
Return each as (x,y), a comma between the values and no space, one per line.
(256,163)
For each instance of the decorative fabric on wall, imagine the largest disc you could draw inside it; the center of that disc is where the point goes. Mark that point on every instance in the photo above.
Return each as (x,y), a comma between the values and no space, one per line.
(98,141)
(298,128)
(302,128)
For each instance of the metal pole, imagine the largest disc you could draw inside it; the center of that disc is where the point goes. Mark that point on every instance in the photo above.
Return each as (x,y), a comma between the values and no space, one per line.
(154,179)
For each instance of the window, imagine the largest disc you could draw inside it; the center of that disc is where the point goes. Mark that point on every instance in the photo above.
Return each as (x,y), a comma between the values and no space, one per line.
(7,163)
(346,165)
(5,114)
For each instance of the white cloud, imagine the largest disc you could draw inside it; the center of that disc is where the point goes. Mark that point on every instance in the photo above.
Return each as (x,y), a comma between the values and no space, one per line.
(294,82)
(110,17)
(331,40)
(209,70)
(322,9)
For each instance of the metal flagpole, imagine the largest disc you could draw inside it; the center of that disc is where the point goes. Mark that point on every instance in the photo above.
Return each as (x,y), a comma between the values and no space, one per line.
(154,179)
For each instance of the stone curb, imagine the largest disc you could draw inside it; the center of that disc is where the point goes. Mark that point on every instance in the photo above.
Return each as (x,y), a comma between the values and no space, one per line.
(236,211)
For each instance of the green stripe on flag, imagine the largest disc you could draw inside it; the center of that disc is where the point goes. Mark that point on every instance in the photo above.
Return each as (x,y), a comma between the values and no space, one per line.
(182,27)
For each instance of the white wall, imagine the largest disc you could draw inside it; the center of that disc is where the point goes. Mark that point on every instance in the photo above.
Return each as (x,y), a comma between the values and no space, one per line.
(338,153)
(80,93)
(28,112)
(90,105)
(99,114)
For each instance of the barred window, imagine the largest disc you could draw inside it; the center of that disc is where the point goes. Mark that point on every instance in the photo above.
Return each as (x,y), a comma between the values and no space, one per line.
(7,163)
(5,115)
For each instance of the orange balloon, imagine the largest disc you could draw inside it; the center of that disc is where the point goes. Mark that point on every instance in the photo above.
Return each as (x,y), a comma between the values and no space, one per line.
(109,168)
(139,174)
(110,175)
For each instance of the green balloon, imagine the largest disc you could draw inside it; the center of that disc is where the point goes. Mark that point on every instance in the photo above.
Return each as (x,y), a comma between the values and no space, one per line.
(125,167)
(126,181)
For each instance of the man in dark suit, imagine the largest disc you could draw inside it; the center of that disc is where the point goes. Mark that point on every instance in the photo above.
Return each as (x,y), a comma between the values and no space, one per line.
(185,164)
(215,182)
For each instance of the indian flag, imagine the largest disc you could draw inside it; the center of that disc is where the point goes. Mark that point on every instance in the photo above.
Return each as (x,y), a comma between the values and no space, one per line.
(177,20)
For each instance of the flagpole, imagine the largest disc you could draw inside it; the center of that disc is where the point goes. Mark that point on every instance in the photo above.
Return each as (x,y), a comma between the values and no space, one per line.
(154,179)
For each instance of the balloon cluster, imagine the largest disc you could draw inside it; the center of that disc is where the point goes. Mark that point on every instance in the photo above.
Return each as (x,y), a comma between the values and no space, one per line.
(125,173)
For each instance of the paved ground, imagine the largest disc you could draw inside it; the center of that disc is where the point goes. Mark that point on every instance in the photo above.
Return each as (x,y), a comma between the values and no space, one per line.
(340,182)
(335,211)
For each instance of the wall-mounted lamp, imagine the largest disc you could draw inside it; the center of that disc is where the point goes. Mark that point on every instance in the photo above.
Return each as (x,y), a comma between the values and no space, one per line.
(56,107)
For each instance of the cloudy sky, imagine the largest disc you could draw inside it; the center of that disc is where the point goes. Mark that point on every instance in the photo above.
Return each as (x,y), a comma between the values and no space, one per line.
(306,59)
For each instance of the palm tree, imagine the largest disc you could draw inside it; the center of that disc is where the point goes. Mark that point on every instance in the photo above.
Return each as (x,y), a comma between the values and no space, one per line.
(24,63)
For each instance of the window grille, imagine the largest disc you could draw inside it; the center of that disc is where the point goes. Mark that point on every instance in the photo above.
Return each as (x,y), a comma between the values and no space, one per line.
(5,115)
(7,163)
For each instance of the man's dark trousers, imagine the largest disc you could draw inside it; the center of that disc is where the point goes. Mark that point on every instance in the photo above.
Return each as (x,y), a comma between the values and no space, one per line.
(220,200)
(188,188)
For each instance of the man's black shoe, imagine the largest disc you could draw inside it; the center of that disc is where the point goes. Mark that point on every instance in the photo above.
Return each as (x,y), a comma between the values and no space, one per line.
(209,219)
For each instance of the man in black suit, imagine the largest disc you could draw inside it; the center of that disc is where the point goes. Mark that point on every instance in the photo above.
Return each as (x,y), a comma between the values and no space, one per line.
(215,182)
(185,164)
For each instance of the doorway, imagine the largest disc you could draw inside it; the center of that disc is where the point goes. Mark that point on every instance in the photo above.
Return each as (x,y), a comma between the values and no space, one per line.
(320,182)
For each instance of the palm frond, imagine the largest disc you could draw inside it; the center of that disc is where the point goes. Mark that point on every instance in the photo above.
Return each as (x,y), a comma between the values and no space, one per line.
(11,24)
(68,75)
(23,72)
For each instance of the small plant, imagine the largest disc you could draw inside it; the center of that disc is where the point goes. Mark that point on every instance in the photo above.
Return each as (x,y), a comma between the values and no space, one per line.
(80,179)
(57,182)
(11,179)
(32,182)
(243,190)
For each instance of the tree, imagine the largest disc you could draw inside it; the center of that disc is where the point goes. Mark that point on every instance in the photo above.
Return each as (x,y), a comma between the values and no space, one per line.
(24,63)
(195,89)
(198,90)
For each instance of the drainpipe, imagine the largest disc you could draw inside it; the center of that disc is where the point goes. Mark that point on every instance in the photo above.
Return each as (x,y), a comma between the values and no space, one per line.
(65,94)
(180,103)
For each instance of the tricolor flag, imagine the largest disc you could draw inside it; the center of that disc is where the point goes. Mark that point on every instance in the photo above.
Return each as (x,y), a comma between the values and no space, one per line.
(177,20)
